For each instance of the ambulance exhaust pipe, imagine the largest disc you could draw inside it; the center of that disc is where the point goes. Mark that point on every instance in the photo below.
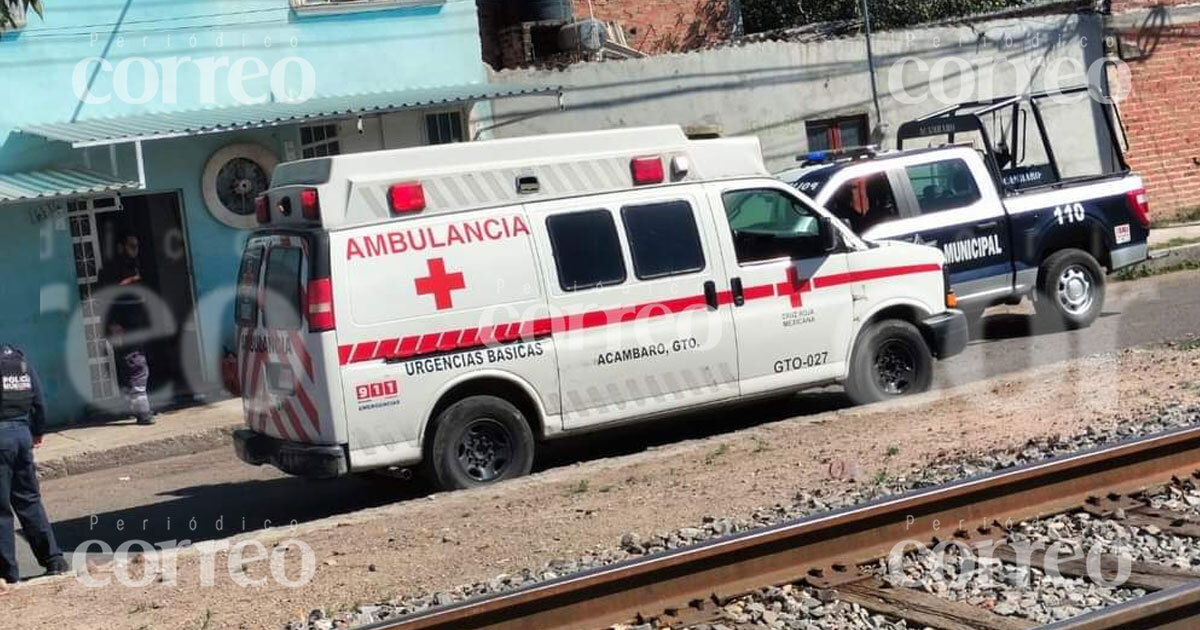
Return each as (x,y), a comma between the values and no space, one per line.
(403,474)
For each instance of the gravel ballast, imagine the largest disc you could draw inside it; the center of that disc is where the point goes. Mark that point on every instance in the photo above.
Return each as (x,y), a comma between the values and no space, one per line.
(1040,598)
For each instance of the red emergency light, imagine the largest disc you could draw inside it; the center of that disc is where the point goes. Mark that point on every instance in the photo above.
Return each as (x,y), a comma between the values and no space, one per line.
(310,204)
(320,306)
(262,210)
(406,197)
(648,170)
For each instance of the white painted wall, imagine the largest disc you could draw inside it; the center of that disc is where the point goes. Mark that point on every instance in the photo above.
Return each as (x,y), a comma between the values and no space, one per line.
(770,89)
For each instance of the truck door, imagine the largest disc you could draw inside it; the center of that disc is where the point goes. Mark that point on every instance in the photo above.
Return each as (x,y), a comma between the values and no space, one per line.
(950,204)
(279,346)
(634,281)
(793,308)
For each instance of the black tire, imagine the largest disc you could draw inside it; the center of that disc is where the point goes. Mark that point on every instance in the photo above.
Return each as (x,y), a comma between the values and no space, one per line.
(1071,289)
(477,441)
(890,359)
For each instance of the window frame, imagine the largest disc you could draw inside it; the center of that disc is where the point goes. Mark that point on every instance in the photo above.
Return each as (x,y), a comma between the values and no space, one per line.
(812,207)
(833,124)
(331,144)
(264,287)
(253,320)
(900,188)
(919,211)
(554,250)
(633,257)
(462,125)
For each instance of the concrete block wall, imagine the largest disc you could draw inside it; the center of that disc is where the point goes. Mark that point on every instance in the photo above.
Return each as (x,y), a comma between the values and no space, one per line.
(772,89)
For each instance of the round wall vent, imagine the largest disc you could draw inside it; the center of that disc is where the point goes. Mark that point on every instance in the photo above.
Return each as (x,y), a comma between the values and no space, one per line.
(234,176)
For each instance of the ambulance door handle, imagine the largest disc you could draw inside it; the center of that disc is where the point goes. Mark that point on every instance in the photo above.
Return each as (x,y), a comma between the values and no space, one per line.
(710,295)
(739,295)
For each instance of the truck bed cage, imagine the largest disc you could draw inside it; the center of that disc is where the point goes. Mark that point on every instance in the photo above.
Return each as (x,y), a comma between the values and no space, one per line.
(967,117)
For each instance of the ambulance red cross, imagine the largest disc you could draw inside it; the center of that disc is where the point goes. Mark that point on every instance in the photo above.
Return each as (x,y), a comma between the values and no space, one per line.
(452,307)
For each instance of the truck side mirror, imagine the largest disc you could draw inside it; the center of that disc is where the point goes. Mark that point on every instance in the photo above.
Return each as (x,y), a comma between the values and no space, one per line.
(831,240)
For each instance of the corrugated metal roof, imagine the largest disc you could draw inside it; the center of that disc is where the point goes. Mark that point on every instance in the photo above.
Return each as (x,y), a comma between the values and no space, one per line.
(47,184)
(154,126)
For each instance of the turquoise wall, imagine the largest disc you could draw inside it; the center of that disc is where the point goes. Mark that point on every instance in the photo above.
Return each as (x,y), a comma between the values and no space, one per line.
(46,66)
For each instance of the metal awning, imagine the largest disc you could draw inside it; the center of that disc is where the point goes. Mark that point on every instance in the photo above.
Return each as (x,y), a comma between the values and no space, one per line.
(157,126)
(51,183)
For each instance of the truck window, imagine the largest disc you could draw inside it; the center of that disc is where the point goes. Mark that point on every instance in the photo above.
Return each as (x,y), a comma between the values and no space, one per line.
(587,251)
(663,239)
(864,202)
(767,225)
(245,310)
(281,289)
(943,185)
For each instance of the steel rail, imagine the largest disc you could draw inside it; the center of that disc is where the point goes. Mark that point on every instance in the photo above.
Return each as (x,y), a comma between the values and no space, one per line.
(1173,609)
(833,542)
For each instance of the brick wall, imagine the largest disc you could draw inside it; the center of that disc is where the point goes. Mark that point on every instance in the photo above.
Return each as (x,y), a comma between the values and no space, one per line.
(652,26)
(1162,113)
(659,26)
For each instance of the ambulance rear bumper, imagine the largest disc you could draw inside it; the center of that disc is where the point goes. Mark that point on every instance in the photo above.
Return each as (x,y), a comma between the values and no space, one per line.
(293,458)
(946,333)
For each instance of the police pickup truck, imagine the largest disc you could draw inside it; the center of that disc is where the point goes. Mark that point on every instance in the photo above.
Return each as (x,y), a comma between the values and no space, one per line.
(1010,221)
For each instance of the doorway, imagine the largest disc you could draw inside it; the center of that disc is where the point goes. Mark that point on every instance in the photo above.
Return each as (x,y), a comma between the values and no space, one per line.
(177,375)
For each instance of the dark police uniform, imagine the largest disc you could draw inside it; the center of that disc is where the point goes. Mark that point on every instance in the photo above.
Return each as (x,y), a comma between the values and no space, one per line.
(22,416)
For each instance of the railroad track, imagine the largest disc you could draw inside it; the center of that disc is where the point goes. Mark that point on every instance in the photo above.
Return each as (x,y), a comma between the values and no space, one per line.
(838,554)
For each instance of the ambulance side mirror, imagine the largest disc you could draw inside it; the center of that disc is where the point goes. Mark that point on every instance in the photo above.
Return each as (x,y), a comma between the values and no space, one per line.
(831,240)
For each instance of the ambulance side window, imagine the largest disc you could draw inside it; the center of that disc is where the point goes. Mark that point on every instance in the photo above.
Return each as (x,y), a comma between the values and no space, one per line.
(245,310)
(281,289)
(587,251)
(663,239)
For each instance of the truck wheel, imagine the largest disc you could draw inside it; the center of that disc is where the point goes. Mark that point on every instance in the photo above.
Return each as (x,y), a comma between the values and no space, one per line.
(890,359)
(478,441)
(1070,290)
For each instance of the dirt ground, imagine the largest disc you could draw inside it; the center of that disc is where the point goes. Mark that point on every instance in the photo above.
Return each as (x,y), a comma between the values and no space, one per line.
(442,541)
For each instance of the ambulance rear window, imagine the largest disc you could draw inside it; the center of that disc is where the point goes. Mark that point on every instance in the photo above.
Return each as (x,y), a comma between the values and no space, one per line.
(281,289)
(246,307)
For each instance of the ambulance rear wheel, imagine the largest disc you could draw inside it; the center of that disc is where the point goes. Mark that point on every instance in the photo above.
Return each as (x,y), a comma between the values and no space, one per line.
(890,360)
(479,441)
(1070,290)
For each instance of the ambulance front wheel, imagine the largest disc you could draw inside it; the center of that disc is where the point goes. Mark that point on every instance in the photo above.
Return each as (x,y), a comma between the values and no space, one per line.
(478,441)
(890,359)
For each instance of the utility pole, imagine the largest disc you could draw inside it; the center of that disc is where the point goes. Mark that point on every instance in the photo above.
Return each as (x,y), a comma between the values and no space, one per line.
(866,11)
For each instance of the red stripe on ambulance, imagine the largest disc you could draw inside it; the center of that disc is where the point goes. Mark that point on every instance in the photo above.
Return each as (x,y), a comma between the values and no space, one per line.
(503,333)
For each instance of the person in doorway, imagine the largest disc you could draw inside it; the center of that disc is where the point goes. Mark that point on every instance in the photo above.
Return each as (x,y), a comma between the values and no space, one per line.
(22,422)
(126,317)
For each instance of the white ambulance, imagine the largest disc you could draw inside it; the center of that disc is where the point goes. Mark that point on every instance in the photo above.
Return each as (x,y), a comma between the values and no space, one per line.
(452,306)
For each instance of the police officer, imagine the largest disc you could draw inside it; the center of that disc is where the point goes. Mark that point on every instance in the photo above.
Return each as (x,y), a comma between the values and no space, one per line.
(22,418)
(127,316)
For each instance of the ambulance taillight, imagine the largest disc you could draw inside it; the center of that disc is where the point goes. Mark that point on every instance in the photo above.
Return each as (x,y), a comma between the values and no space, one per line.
(406,197)
(648,170)
(320,306)
(262,210)
(310,204)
